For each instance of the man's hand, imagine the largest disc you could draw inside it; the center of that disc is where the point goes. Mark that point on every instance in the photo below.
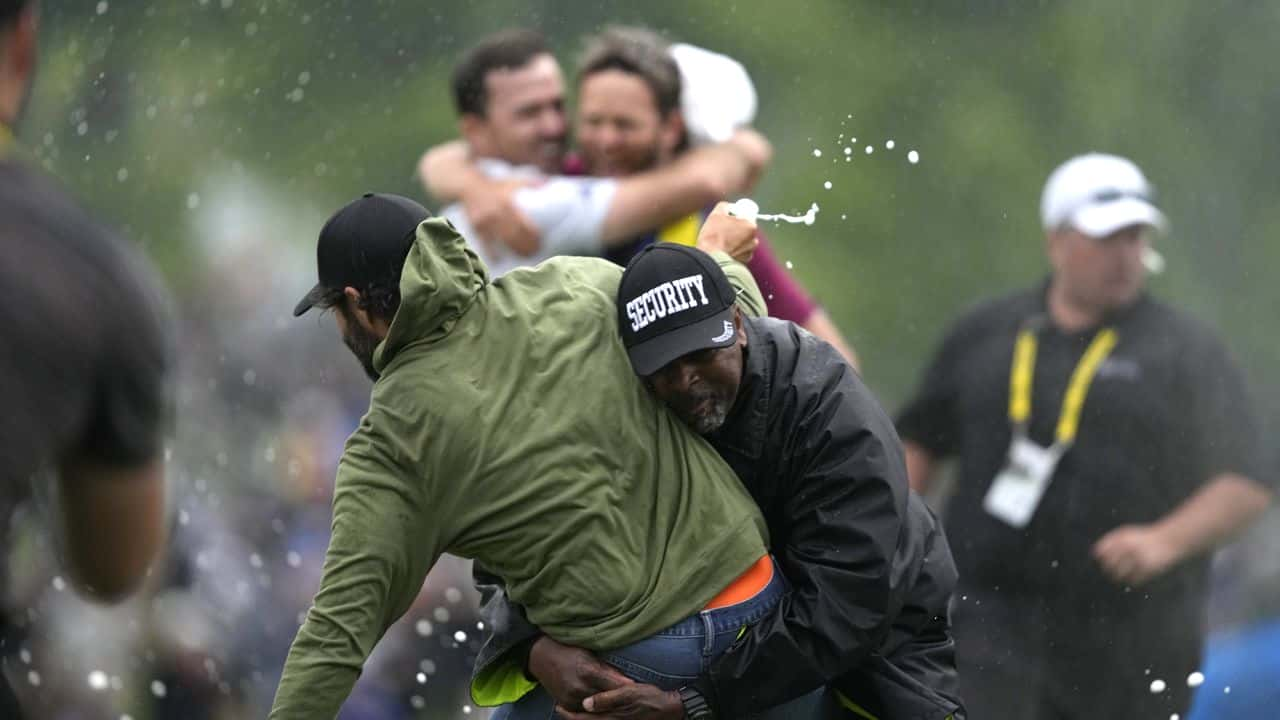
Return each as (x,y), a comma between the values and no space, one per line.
(491,208)
(1135,554)
(633,702)
(572,674)
(729,234)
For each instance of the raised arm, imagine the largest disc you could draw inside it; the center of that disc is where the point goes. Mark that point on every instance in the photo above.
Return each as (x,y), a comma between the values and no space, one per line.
(695,180)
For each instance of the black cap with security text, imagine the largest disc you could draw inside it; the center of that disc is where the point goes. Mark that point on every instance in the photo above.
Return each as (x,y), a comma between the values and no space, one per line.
(673,300)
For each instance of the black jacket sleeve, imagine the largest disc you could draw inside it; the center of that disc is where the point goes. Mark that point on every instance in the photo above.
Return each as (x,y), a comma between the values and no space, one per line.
(844,502)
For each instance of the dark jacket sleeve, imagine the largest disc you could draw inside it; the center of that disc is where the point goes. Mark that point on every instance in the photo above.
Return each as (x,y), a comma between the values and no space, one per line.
(844,500)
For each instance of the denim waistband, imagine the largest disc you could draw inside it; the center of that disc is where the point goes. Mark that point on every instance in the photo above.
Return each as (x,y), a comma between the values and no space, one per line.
(732,617)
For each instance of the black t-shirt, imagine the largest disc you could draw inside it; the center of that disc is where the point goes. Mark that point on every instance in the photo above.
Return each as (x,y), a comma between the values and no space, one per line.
(1167,411)
(85,358)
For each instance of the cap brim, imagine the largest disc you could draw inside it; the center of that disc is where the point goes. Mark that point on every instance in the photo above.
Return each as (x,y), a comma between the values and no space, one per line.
(1106,218)
(310,300)
(652,355)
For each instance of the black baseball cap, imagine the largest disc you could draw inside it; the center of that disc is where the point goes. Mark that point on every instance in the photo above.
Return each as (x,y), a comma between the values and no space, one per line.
(673,300)
(364,242)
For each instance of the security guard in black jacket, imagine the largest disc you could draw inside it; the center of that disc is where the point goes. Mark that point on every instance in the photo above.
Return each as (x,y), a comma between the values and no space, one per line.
(865,630)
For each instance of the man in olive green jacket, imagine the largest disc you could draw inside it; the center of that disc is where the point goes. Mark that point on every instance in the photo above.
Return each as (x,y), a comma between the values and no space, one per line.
(506,425)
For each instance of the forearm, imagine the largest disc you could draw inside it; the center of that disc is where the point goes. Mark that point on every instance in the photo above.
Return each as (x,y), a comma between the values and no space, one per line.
(1216,513)
(319,673)
(113,523)
(695,180)
(447,173)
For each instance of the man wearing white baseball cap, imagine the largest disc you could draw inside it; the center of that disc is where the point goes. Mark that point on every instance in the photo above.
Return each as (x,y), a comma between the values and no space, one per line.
(1105,447)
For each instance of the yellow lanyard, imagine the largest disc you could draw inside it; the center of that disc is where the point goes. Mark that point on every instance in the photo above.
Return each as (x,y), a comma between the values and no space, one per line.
(1023,372)
(6,139)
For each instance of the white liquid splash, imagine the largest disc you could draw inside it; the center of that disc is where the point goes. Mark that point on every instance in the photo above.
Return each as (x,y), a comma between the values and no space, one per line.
(807,219)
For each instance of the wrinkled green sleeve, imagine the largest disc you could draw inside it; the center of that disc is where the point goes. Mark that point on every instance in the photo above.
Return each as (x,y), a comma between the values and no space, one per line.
(749,297)
(385,539)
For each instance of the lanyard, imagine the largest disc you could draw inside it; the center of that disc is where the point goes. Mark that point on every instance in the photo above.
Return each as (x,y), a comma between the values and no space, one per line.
(6,139)
(1023,372)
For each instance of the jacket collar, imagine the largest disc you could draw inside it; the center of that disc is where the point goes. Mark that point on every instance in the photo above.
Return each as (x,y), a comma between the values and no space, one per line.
(744,431)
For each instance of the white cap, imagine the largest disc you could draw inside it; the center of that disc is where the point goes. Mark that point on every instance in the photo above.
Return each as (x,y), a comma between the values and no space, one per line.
(1099,194)
(716,95)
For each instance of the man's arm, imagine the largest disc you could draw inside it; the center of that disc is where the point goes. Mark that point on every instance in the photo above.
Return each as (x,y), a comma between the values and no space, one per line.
(846,513)
(1223,508)
(448,173)
(112,520)
(385,538)
(578,215)
(693,181)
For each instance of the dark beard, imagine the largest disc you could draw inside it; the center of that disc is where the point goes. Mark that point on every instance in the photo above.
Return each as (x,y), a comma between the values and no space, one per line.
(362,343)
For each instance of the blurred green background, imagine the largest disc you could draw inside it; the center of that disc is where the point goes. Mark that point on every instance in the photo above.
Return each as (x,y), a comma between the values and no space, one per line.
(143,108)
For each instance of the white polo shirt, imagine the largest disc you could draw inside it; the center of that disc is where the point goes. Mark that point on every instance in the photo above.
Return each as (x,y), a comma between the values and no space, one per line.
(568,211)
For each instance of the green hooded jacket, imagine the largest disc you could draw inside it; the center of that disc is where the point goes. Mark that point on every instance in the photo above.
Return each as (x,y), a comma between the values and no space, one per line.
(507,426)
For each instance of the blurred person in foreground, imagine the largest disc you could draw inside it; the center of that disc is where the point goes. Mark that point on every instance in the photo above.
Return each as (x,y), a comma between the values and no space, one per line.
(870,585)
(505,426)
(657,131)
(85,361)
(1106,447)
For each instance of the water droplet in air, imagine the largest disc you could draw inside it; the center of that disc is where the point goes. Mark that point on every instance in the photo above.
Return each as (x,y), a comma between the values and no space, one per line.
(1195,679)
(816,151)
(1157,686)
(98,680)
(913,157)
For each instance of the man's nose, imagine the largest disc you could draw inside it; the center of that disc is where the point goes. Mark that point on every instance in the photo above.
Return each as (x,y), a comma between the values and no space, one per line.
(553,124)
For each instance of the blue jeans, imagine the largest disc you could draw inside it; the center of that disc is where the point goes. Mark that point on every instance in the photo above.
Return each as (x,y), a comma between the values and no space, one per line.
(672,657)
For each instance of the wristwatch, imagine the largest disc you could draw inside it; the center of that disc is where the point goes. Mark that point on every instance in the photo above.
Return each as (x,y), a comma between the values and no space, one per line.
(695,705)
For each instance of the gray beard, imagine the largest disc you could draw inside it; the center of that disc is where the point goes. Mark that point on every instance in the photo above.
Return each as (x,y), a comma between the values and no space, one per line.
(711,422)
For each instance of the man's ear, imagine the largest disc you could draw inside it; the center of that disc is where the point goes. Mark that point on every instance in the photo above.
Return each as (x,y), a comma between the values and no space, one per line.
(737,322)
(352,298)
